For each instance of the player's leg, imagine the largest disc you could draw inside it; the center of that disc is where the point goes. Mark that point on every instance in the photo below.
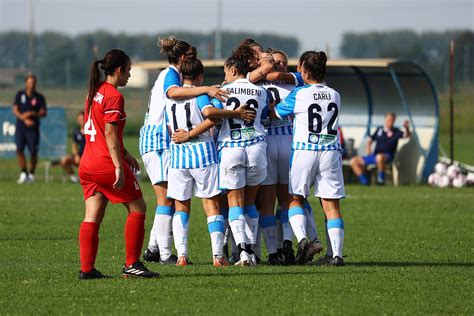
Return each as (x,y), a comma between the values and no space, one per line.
(315,246)
(20,141)
(89,235)
(358,167)
(134,236)
(33,138)
(380,161)
(216,228)
(267,197)
(329,186)
(238,224)
(161,240)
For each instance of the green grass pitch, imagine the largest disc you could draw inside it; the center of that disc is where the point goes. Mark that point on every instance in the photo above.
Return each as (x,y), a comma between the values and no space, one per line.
(409,250)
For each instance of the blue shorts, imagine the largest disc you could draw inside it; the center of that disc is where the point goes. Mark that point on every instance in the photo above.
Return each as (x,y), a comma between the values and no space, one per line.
(370,159)
(29,137)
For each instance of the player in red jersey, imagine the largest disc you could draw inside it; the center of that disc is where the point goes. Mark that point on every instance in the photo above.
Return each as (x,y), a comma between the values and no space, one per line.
(105,169)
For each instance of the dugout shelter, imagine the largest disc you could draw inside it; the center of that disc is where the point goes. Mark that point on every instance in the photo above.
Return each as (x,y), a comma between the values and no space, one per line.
(369,88)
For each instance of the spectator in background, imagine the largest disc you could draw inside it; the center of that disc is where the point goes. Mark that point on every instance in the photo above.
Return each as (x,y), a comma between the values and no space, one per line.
(28,107)
(386,140)
(78,144)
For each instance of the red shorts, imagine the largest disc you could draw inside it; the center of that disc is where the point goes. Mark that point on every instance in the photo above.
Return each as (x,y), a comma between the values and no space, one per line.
(93,182)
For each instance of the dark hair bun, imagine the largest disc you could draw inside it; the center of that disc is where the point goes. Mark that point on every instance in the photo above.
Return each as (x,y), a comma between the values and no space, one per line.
(191,54)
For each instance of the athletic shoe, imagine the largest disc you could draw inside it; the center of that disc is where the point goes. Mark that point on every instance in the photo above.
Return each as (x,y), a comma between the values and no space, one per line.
(225,250)
(245,260)
(221,262)
(31,178)
(288,252)
(23,178)
(324,260)
(275,260)
(171,260)
(302,251)
(314,247)
(254,260)
(337,262)
(93,274)
(138,269)
(151,256)
(183,261)
(74,178)
(280,254)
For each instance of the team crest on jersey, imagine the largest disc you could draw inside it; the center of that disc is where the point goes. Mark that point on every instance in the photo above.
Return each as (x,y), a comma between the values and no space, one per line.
(235,135)
(34,102)
(99,98)
(313,138)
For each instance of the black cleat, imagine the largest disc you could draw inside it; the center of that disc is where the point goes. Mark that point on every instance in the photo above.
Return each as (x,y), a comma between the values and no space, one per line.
(314,247)
(151,256)
(301,253)
(138,269)
(275,260)
(337,262)
(171,260)
(225,250)
(288,252)
(280,254)
(324,261)
(93,274)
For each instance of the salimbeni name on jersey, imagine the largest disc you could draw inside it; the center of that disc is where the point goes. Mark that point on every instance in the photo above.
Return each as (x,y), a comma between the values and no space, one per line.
(246,91)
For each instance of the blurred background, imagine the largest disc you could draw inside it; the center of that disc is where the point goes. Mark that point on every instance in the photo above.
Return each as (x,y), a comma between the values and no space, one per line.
(58,39)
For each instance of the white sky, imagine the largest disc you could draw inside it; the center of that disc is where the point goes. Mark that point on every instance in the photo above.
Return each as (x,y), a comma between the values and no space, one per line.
(314,23)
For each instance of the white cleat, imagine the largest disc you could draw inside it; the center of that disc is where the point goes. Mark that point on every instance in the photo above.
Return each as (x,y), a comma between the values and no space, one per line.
(74,179)
(245,260)
(31,178)
(253,260)
(23,178)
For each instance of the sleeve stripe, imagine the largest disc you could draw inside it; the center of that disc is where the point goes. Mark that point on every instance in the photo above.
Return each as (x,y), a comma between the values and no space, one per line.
(111,111)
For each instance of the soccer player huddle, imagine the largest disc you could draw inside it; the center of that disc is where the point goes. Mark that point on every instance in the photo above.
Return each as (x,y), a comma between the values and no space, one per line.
(261,139)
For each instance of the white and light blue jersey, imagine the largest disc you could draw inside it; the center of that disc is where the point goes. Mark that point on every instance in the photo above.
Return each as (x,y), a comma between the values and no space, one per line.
(234,132)
(316,117)
(298,79)
(200,152)
(154,134)
(277,91)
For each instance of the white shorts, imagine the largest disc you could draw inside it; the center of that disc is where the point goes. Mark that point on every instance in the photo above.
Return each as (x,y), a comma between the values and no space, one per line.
(242,166)
(278,157)
(319,169)
(156,165)
(183,184)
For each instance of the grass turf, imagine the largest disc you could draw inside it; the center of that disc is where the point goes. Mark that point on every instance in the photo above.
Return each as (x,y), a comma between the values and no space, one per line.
(408,250)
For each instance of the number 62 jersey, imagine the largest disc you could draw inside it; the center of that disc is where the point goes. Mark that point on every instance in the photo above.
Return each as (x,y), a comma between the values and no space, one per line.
(316,117)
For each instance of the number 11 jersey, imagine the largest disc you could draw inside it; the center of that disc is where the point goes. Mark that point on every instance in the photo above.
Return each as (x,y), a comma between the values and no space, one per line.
(316,117)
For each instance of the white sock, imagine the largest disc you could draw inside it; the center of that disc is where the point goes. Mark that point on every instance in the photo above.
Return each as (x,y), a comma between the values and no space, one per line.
(251,216)
(286,226)
(216,228)
(237,224)
(163,230)
(268,228)
(336,235)
(180,232)
(152,244)
(310,223)
(298,222)
(328,240)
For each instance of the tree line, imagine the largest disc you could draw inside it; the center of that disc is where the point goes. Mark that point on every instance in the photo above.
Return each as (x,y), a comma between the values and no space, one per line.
(61,58)
(428,49)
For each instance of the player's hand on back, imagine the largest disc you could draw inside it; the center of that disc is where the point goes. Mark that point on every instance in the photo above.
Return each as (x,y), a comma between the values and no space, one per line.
(180,136)
(216,92)
(244,114)
(132,162)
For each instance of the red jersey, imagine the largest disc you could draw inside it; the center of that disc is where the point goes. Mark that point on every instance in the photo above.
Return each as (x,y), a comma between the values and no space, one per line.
(107,107)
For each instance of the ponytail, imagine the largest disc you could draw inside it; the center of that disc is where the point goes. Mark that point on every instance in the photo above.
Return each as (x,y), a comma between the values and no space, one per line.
(94,82)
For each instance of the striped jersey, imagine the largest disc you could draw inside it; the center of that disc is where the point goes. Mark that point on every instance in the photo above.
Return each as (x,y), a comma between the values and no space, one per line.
(316,117)
(234,132)
(277,91)
(154,134)
(199,152)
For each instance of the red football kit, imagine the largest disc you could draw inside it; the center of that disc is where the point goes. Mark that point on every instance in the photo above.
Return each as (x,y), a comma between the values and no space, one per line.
(97,170)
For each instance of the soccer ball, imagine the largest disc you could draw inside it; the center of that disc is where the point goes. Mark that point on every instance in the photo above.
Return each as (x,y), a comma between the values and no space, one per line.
(440,168)
(459,181)
(433,179)
(453,171)
(443,181)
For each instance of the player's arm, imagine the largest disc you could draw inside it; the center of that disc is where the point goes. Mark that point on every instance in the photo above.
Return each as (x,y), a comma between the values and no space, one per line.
(113,145)
(182,136)
(25,116)
(180,93)
(284,108)
(287,77)
(262,71)
(368,147)
(132,162)
(241,112)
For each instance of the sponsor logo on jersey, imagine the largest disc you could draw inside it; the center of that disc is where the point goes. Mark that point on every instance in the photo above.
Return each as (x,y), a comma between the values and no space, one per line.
(313,138)
(99,98)
(235,135)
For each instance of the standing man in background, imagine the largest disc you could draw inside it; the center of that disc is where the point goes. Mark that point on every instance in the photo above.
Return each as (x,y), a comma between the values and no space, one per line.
(28,107)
